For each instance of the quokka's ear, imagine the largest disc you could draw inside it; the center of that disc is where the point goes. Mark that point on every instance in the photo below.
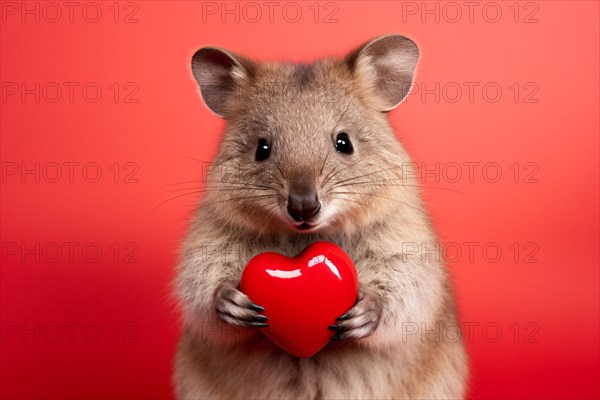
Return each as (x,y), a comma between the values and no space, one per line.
(218,73)
(385,66)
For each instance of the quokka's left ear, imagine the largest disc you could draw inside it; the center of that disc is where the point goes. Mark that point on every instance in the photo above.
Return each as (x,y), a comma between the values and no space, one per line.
(385,66)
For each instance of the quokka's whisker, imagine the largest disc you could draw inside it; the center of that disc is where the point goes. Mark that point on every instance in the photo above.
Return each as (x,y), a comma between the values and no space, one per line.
(376,195)
(365,175)
(237,199)
(171,199)
(219,189)
(387,183)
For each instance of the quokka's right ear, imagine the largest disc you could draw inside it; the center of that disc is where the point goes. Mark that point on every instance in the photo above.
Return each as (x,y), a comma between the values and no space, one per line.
(219,73)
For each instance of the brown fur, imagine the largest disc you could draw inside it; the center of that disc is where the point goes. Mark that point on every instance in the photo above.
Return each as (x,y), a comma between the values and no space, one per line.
(369,208)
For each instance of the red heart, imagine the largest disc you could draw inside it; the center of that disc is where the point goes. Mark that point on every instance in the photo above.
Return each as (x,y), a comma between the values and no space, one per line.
(302,295)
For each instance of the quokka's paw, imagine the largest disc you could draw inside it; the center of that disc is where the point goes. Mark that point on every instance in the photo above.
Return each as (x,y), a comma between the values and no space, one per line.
(360,321)
(235,308)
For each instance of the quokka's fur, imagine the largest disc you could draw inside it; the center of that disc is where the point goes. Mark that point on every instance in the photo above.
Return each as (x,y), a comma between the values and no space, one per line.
(370,208)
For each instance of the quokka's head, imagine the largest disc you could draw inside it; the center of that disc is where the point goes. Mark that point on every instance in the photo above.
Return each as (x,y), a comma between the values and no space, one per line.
(307,147)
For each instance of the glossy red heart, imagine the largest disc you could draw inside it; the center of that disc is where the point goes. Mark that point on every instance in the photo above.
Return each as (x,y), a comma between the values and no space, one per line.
(302,295)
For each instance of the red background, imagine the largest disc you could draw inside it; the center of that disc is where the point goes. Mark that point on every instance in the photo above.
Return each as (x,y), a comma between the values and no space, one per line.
(124,327)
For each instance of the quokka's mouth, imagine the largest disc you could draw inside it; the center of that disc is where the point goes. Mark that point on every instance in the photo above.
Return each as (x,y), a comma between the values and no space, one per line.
(305,226)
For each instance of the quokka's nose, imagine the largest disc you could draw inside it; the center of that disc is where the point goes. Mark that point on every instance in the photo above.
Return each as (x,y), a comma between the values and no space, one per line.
(303,203)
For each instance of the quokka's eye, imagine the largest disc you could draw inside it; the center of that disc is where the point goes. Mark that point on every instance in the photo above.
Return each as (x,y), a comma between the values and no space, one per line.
(263,150)
(343,143)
